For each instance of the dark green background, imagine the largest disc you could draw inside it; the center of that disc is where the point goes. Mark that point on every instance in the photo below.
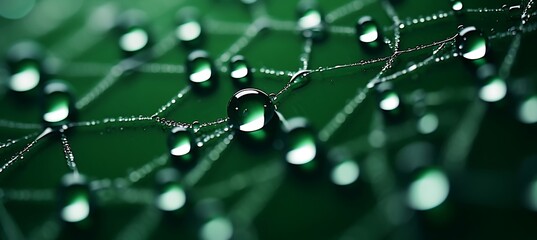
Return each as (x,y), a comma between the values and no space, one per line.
(485,201)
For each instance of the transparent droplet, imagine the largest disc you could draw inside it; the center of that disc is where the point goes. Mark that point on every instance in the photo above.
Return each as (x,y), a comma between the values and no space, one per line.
(311,21)
(214,224)
(250,109)
(201,72)
(471,43)
(183,149)
(367,30)
(429,189)
(428,123)
(58,104)
(527,111)
(133,36)
(25,78)
(494,89)
(301,144)
(389,102)
(134,40)
(240,72)
(171,196)
(25,66)
(345,172)
(189,29)
(300,79)
(457,6)
(76,206)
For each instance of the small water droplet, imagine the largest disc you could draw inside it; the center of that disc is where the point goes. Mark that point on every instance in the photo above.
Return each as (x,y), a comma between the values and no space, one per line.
(240,72)
(301,146)
(189,29)
(471,43)
(171,196)
(75,201)
(201,73)
(311,21)
(457,6)
(58,104)
(368,33)
(250,109)
(25,62)
(183,149)
(133,35)
(493,89)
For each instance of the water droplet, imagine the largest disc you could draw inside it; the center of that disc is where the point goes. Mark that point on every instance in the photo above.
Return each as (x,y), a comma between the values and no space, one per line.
(300,79)
(171,196)
(133,35)
(240,72)
(457,6)
(215,225)
(250,109)
(201,72)
(76,204)
(301,148)
(311,21)
(494,89)
(471,43)
(429,189)
(389,102)
(183,149)
(368,32)
(189,28)
(527,111)
(58,104)
(428,123)
(25,66)
(345,172)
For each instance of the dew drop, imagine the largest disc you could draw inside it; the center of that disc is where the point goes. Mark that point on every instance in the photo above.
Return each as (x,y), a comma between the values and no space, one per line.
(345,172)
(240,72)
(471,43)
(25,66)
(311,21)
(301,146)
(189,29)
(214,224)
(58,104)
(250,109)
(133,35)
(527,111)
(428,190)
(183,149)
(201,73)
(457,6)
(171,196)
(75,201)
(494,89)
(367,30)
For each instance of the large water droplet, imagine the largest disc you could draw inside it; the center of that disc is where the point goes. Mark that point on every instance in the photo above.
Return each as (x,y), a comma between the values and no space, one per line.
(471,43)
(76,206)
(58,104)
(182,147)
(250,109)
(240,72)
(201,72)
(171,196)
(311,21)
